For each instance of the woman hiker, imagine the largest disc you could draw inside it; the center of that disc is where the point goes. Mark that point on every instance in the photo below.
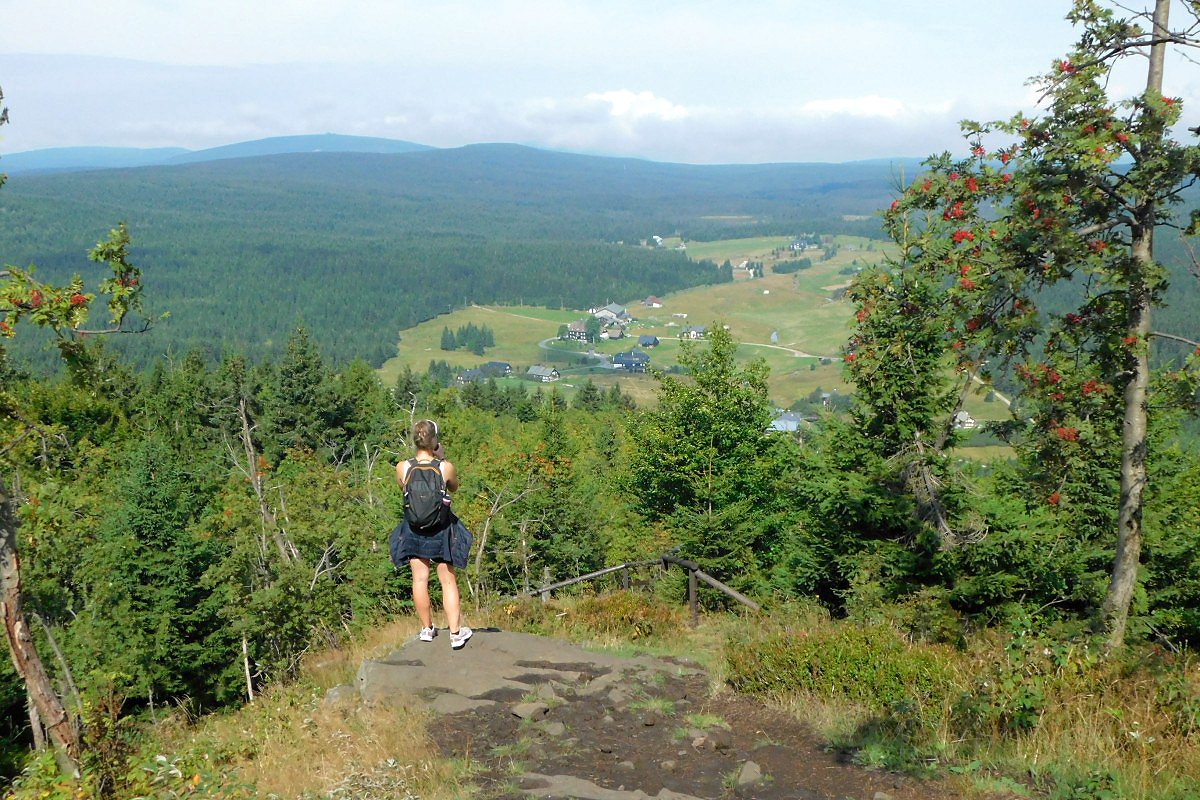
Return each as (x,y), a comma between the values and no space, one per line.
(422,546)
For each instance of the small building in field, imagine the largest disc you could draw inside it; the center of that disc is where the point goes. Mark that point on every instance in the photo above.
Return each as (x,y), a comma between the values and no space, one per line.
(612,314)
(647,340)
(693,332)
(496,369)
(469,376)
(577,330)
(633,361)
(542,374)
(964,421)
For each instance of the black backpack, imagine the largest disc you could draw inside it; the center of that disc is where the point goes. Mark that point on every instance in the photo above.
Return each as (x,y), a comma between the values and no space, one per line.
(426,502)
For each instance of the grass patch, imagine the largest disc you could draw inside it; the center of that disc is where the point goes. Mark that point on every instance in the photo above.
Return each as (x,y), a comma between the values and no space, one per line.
(755,248)
(705,721)
(513,750)
(290,743)
(655,705)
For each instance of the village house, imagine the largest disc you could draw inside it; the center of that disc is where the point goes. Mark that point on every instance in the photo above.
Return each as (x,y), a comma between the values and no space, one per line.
(633,361)
(693,332)
(542,374)
(647,340)
(469,376)
(652,302)
(496,369)
(605,316)
(787,422)
(805,242)
(611,314)
(964,421)
(577,330)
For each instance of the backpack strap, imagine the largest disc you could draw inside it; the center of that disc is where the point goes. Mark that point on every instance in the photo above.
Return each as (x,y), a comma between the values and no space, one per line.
(413,464)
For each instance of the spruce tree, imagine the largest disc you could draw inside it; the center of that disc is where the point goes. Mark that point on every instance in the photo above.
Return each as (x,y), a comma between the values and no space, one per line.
(302,410)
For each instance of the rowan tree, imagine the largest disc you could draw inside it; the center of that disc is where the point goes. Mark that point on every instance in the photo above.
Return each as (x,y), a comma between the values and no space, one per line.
(1041,242)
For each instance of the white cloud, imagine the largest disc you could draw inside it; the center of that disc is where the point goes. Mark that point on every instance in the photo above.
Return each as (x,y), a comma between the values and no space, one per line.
(634,106)
(869,106)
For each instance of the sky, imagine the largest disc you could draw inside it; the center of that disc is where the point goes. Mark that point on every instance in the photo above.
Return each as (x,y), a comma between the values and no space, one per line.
(702,81)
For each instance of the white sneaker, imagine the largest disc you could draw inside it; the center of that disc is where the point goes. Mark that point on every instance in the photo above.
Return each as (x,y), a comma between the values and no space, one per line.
(457,640)
(427,634)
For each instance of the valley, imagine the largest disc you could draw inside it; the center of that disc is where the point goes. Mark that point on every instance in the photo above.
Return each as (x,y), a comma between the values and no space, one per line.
(803,309)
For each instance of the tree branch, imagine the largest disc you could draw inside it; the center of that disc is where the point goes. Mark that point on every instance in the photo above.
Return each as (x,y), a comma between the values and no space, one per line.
(1172,337)
(1100,227)
(146,324)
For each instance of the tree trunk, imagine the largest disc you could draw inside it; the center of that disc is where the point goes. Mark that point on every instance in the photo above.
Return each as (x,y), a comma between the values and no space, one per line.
(246,667)
(59,725)
(1115,611)
(253,471)
(35,724)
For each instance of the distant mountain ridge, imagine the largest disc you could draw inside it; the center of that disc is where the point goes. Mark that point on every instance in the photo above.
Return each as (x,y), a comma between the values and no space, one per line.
(72,159)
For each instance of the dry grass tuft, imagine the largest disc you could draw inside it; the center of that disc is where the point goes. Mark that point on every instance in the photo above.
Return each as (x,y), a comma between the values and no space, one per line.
(1115,720)
(298,741)
(328,668)
(345,744)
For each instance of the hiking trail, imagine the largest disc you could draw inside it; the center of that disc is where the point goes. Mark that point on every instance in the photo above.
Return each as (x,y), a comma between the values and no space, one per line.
(540,717)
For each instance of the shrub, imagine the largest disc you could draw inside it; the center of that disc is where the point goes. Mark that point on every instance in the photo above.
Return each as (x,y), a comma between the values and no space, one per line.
(530,615)
(870,665)
(630,615)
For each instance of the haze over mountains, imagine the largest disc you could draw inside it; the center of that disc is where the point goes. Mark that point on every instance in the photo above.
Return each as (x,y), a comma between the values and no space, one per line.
(86,158)
(83,158)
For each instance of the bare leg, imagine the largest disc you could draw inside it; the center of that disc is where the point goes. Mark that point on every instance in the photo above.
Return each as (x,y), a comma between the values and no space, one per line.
(420,589)
(450,600)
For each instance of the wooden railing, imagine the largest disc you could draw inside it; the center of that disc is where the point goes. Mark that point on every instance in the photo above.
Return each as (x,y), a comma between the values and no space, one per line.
(666,560)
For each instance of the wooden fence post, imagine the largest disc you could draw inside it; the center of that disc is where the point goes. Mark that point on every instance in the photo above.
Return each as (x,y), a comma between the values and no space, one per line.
(692,602)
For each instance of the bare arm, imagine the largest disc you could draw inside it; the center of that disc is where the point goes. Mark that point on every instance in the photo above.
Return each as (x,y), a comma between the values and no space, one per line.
(450,475)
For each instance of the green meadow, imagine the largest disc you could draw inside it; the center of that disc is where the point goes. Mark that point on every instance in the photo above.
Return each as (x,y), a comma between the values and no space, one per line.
(803,309)
(799,307)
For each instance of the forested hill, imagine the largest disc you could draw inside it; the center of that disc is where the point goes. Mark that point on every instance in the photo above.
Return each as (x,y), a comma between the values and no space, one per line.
(361,245)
